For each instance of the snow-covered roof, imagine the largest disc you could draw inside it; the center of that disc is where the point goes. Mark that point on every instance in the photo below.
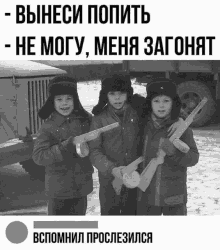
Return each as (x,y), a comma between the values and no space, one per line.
(56,63)
(27,68)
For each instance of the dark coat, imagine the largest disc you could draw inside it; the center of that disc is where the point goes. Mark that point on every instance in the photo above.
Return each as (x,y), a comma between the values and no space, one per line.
(117,147)
(67,174)
(168,186)
(114,148)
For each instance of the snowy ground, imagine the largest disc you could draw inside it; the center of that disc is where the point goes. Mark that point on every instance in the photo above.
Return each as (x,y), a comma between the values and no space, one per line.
(203,179)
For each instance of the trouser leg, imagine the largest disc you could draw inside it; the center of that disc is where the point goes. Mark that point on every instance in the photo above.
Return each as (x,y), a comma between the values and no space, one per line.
(180,209)
(129,201)
(74,206)
(109,201)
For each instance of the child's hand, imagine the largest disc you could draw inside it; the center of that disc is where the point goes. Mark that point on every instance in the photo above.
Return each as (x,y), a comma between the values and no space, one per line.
(181,146)
(68,145)
(174,126)
(168,147)
(118,172)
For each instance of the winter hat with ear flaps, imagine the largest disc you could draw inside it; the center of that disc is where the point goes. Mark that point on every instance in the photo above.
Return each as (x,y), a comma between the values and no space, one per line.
(116,82)
(60,85)
(163,86)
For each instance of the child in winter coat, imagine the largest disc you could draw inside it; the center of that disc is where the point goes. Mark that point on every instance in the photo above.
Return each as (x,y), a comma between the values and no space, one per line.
(116,148)
(68,177)
(167,192)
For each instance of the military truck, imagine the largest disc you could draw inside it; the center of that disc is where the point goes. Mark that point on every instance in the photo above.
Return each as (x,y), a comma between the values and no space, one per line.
(23,90)
(195,79)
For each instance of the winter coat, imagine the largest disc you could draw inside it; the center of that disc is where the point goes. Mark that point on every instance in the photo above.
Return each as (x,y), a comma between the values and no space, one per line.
(168,185)
(67,174)
(116,147)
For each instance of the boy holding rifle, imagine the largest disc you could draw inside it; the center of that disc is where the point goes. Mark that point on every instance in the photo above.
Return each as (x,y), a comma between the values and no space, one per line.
(167,191)
(61,147)
(117,148)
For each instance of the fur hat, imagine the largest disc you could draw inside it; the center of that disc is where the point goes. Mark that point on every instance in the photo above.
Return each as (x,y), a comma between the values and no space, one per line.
(61,85)
(116,82)
(163,86)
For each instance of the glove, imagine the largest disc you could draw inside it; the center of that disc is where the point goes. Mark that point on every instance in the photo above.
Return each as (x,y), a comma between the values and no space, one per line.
(168,147)
(174,127)
(68,146)
(118,172)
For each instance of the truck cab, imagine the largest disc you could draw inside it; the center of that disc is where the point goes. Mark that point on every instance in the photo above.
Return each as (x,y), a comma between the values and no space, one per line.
(23,91)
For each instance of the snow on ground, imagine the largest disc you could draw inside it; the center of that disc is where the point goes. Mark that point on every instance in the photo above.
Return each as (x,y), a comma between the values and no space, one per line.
(204,178)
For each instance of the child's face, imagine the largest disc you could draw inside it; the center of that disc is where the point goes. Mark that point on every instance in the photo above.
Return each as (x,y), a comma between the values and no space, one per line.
(161,106)
(117,99)
(64,104)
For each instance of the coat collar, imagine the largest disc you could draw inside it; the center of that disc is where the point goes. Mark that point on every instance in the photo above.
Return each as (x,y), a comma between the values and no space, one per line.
(166,123)
(125,112)
(60,119)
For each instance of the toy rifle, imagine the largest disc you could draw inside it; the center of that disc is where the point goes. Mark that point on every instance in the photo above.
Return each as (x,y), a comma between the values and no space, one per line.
(131,178)
(80,141)
(130,174)
(20,149)
(149,171)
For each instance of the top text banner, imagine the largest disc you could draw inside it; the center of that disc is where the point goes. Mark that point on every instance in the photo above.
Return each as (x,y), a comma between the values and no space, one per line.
(81,30)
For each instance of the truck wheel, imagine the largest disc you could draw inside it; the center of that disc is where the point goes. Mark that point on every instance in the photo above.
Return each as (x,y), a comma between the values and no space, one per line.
(191,93)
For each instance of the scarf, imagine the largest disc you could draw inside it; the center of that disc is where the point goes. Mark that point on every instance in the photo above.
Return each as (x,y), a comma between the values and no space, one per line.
(119,113)
(159,122)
